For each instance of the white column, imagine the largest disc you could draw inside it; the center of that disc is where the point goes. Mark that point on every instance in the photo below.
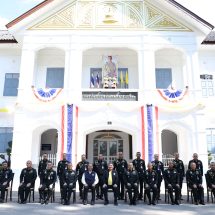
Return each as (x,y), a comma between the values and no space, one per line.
(193,74)
(26,74)
(75,75)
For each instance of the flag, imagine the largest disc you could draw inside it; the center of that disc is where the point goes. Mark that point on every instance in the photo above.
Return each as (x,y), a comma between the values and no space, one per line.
(97,80)
(92,82)
(121,79)
(126,79)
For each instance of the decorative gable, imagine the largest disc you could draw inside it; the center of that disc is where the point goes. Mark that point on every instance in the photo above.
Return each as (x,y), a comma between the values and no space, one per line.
(135,15)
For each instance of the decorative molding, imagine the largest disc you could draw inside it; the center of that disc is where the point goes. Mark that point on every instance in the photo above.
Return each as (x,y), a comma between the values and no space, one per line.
(82,14)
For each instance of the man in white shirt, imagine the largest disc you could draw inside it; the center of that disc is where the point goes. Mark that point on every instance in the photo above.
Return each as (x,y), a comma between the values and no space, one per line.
(89,180)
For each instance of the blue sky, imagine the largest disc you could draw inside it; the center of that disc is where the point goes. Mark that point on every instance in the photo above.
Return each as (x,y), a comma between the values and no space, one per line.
(11,9)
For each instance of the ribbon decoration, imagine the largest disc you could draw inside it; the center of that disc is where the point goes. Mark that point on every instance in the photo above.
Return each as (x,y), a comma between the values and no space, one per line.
(150,132)
(173,95)
(143,132)
(47,94)
(69,131)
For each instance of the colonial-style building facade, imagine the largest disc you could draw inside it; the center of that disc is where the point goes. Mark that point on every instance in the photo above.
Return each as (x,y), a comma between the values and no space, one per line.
(90,77)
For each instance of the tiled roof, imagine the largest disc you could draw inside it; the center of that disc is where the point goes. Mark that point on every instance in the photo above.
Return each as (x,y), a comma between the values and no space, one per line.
(6,37)
(210,39)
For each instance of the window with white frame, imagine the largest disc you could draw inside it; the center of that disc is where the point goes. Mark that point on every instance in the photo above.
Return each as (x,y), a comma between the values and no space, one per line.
(11,84)
(163,78)
(211,140)
(55,78)
(207,85)
(6,136)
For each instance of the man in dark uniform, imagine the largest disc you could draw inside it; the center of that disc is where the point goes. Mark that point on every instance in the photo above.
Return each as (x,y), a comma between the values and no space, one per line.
(194,180)
(61,167)
(42,165)
(120,165)
(151,180)
(80,169)
(199,165)
(171,178)
(6,176)
(27,180)
(179,166)
(89,180)
(211,177)
(69,179)
(99,167)
(131,180)
(48,178)
(139,165)
(110,181)
(159,168)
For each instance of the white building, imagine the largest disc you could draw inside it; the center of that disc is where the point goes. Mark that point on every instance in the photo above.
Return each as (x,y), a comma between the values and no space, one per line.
(54,56)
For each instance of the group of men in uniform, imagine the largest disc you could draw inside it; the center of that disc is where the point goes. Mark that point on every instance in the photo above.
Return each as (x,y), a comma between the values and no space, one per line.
(100,177)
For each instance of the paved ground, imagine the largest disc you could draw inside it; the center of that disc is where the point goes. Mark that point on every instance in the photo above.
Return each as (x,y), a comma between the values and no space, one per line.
(12,208)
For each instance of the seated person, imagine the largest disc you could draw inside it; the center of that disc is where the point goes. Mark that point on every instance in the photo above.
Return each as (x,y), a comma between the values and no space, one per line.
(89,180)
(172,181)
(6,176)
(27,180)
(110,181)
(194,180)
(150,183)
(69,183)
(211,178)
(131,179)
(48,178)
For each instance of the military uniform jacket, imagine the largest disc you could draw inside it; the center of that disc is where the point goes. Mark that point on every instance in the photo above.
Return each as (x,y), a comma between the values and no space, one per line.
(210,177)
(199,165)
(158,167)
(120,165)
(61,167)
(179,166)
(48,177)
(5,175)
(150,177)
(171,176)
(140,166)
(115,177)
(100,166)
(81,168)
(28,175)
(69,177)
(131,177)
(42,166)
(193,177)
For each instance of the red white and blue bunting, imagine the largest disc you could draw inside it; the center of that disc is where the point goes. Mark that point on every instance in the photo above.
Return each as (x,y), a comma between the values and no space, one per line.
(69,131)
(173,95)
(47,94)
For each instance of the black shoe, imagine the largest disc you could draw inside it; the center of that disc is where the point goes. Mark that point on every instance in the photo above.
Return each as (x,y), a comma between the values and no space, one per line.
(97,197)
(1,201)
(84,202)
(46,202)
(195,203)
(131,203)
(41,201)
(153,203)
(149,203)
(23,202)
(172,203)
(106,202)
(115,203)
(134,203)
(177,203)
(201,203)
(101,197)
(92,202)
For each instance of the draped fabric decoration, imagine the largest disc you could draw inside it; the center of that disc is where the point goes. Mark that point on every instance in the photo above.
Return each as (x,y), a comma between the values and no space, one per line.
(143,132)
(157,129)
(173,95)
(62,130)
(150,127)
(47,94)
(69,132)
